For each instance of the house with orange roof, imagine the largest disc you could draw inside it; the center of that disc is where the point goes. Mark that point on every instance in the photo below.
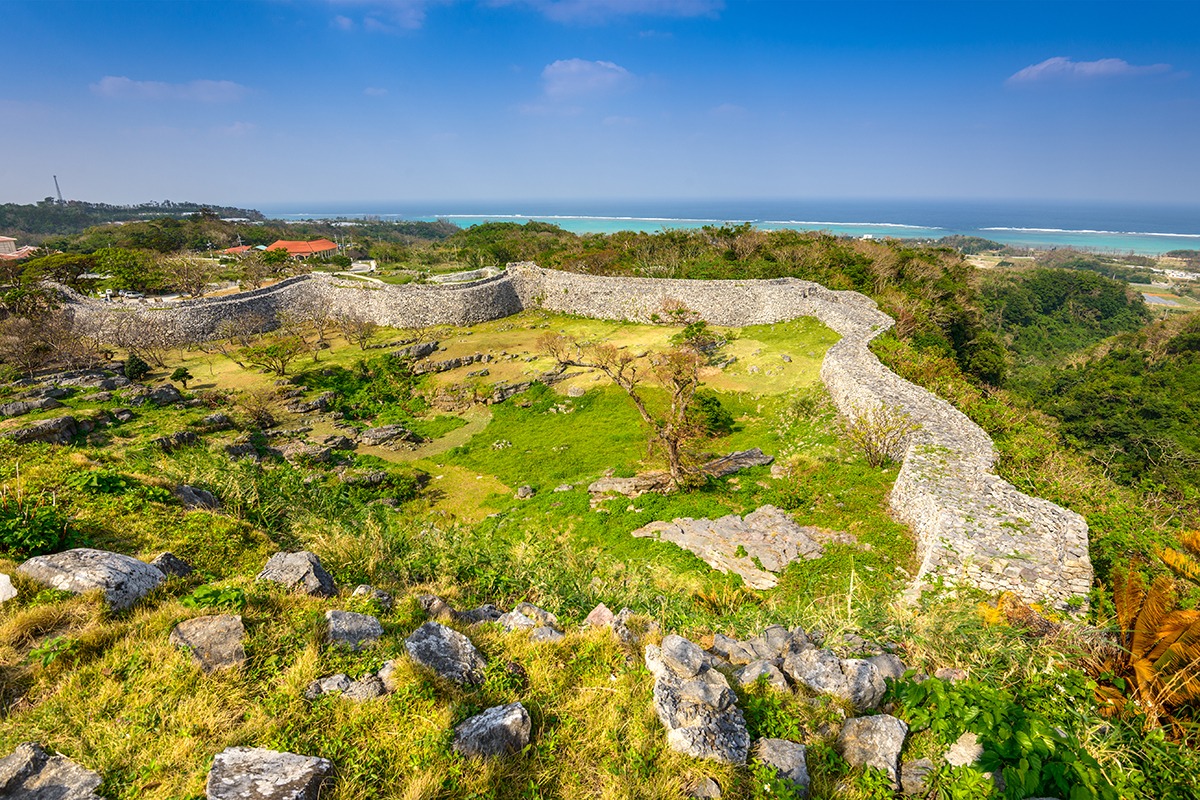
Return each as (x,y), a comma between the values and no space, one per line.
(317,247)
(10,252)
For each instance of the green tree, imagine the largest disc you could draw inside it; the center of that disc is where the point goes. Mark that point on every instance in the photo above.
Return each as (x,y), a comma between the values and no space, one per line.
(182,375)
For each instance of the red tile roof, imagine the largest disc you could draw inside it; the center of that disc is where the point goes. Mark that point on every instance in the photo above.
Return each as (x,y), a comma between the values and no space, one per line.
(239,249)
(304,248)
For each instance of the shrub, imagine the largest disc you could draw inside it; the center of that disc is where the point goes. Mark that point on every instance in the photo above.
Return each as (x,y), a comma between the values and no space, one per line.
(709,414)
(228,599)
(880,434)
(136,368)
(31,526)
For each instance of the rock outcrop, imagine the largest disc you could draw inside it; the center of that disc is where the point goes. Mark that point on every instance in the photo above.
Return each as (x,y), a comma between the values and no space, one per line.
(254,773)
(301,571)
(352,630)
(874,742)
(498,731)
(32,773)
(214,642)
(447,652)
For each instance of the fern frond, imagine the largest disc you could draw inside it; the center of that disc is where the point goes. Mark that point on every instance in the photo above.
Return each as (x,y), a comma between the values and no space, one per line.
(1128,593)
(1157,602)
(1174,628)
(1183,564)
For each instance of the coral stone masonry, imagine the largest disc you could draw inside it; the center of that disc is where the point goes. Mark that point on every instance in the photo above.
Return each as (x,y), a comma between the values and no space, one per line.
(972,527)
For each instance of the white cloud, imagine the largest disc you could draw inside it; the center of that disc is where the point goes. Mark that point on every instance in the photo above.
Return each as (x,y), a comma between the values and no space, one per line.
(600,11)
(386,16)
(343,23)
(200,91)
(375,91)
(236,129)
(727,110)
(1062,68)
(576,77)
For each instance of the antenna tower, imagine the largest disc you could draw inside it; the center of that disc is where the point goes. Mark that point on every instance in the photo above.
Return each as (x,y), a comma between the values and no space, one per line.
(59,191)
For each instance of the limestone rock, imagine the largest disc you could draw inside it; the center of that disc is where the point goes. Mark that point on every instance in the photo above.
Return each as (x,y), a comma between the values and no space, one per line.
(435,606)
(706,789)
(371,593)
(636,486)
(300,571)
(173,441)
(484,613)
(914,777)
(254,773)
(516,621)
(538,615)
(352,630)
(164,395)
(600,617)
(966,750)
(788,760)
(191,497)
(21,407)
(750,674)
(365,688)
(390,436)
(498,731)
(874,742)
(59,430)
(171,565)
(735,462)
(124,580)
(387,674)
(338,682)
(695,704)
(762,543)
(215,642)
(31,773)
(447,652)
(950,674)
(851,679)
(544,633)
(525,492)
(889,666)
(7,590)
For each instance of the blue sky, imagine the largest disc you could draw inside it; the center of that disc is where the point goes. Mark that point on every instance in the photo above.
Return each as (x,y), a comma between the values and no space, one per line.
(419,100)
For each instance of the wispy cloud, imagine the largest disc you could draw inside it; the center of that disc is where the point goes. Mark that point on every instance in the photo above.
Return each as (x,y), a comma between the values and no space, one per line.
(592,12)
(576,77)
(236,129)
(1063,68)
(728,110)
(386,16)
(199,91)
(375,91)
(343,23)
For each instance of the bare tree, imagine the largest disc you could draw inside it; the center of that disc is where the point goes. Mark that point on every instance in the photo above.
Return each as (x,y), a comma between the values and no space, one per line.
(188,273)
(357,327)
(676,370)
(235,334)
(147,335)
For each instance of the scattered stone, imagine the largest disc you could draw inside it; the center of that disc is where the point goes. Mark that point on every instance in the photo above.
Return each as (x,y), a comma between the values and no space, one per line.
(371,593)
(539,615)
(31,773)
(966,750)
(479,373)
(496,732)
(736,462)
(174,441)
(164,395)
(600,617)
(762,543)
(950,674)
(889,666)
(874,742)
(7,590)
(214,422)
(254,773)
(750,674)
(123,415)
(636,486)
(352,630)
(631,635)
(339,442)
(300,571)
(388,436)
(544,633)
(123,580)
(171,565)
(575,391)
(59,430)
(785,358)
(516,621)
(563,487)
(305,452)
(416,351)
(851,679)
(914,777)
(788,760)
(447,652)
(706,789)
(214,642)
(435,606)
(191,497)
(387,675)
(695,704)
(339,682)
(484,613)
(525,492)
(365,688)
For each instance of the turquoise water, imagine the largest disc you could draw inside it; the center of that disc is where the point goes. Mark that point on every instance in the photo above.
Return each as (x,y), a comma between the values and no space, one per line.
(1142,229)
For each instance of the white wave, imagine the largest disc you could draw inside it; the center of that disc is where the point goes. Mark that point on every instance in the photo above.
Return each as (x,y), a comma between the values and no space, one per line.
(855,224)
(1096,233)
(587,217)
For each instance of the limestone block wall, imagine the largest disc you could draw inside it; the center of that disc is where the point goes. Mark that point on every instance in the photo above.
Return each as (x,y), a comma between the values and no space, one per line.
(972,527)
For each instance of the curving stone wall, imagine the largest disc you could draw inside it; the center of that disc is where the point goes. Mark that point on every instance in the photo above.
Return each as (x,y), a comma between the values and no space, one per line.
(972,527)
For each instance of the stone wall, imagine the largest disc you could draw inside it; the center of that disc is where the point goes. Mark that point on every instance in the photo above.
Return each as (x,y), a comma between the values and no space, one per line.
(972,527)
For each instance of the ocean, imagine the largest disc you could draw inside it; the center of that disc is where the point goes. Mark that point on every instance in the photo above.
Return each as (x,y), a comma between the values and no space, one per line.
(1143,229)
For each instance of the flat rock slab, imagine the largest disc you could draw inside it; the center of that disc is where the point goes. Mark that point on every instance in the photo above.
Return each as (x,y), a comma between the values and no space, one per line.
(496,732)
(852,679)
(123,580)
(762,543)
(170,565)
(874,742)
(447,652)
(736,462)
(254,773)
(31,773)
(352,630)
(214,642)
(300,571)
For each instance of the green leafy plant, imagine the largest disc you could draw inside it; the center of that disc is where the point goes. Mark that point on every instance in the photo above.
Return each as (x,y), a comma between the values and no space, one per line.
(53,649)
(229,598)
(30,524)
(101,481)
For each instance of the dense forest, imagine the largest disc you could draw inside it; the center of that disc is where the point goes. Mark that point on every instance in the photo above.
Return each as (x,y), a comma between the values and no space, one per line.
(34,221)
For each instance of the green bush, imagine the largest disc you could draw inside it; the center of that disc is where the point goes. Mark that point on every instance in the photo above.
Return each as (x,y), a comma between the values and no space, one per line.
(31,526)
(136,368)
